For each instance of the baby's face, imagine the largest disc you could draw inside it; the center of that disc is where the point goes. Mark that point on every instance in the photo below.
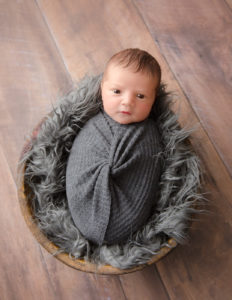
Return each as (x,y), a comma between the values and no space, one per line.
(127,96)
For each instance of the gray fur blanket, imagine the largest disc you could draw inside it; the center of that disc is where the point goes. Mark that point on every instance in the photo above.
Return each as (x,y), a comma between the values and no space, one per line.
(45,180)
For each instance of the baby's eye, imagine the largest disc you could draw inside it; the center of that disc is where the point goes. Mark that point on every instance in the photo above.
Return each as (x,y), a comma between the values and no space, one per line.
(116,91)
(140,96)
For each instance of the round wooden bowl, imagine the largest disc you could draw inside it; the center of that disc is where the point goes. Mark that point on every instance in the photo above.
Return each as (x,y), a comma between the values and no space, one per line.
(79,264)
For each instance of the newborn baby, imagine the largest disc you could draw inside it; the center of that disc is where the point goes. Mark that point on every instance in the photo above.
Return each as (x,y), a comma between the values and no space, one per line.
(113,168)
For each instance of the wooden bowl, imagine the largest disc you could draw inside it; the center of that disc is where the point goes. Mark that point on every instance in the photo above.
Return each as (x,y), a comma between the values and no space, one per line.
(79,264)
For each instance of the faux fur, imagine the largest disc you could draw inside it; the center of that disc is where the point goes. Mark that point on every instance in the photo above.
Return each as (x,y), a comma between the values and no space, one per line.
(45,180)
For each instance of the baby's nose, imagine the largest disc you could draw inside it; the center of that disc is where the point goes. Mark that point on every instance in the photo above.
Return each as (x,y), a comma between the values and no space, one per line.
(128,99)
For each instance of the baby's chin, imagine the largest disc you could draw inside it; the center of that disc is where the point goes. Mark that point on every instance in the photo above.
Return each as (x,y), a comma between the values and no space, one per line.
(126,119)
(123,119)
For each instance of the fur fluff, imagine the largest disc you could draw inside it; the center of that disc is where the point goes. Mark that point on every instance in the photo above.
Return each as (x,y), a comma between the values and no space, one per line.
(44,179)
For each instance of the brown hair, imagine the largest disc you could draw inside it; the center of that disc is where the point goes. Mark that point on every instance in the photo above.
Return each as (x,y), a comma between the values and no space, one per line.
(139,59)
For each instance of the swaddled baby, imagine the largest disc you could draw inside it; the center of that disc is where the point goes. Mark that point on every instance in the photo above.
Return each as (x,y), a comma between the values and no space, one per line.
(114,168)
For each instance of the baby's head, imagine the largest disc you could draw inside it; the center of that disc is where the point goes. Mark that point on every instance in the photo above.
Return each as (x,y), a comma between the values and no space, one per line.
(129,85)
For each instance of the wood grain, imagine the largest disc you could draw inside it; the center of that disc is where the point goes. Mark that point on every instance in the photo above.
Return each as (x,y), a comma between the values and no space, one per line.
(22,272)
(32,74)
(153,290)
(90,32)
(196,42)
(72,284)
(229,3)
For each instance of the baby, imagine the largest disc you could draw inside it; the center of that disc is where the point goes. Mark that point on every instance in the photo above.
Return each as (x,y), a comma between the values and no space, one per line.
(114,168)
(129,86)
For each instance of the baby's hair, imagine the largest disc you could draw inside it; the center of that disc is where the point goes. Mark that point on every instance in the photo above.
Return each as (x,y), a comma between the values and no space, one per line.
(139,59)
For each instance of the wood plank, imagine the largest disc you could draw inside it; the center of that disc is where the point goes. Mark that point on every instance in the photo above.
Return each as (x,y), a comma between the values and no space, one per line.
(31,71)
(107,35)
(229,2)
(202,268)
(22,273)
(89,32)
(148,279)
(71,284)
(196,42)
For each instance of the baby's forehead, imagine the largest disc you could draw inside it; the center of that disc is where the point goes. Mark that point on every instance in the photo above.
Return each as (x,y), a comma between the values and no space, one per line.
(110,68)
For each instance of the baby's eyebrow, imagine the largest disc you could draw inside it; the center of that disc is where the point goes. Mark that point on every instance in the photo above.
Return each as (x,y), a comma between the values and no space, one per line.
(116,84)
(141,92)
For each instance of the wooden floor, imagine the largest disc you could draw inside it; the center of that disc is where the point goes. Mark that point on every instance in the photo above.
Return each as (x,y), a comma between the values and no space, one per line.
(44,47)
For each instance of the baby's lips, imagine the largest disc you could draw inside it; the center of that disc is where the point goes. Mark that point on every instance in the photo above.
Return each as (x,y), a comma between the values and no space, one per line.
(125,112)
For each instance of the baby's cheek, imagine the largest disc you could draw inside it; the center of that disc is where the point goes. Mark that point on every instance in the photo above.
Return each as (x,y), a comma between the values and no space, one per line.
(145,108)
(109,108)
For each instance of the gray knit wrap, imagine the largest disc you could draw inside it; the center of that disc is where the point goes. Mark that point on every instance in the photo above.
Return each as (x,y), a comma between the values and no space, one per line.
(112,177)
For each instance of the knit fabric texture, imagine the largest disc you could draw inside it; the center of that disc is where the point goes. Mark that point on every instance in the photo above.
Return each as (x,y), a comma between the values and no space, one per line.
(111,178)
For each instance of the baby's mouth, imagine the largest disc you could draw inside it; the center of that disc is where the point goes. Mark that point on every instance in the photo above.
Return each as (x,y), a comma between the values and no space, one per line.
(125,112)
